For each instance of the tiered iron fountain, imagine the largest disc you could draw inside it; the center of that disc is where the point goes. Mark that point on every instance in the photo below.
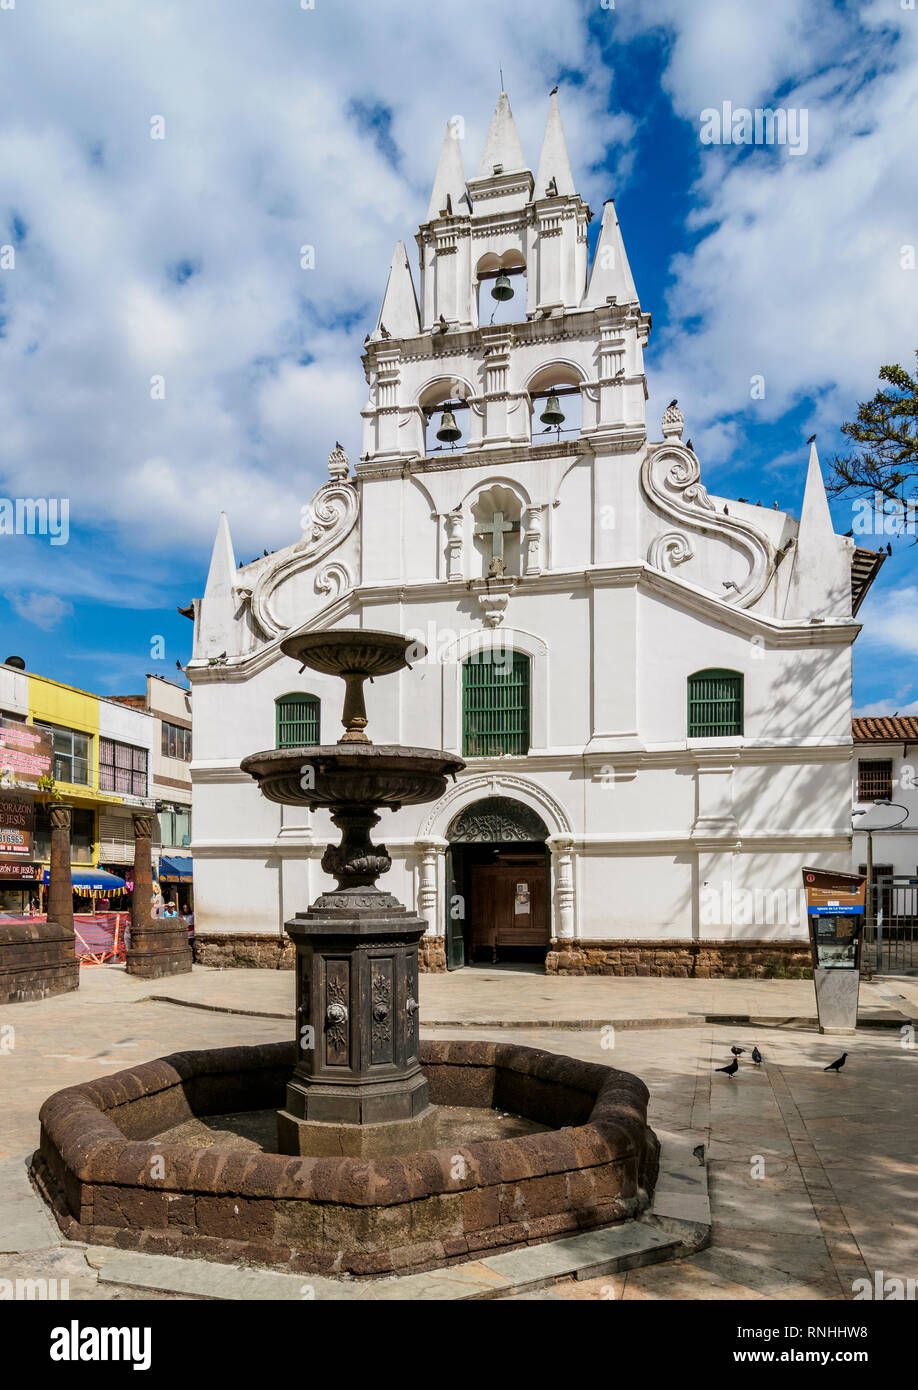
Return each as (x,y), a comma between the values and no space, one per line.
(358,1087)
(363,1179)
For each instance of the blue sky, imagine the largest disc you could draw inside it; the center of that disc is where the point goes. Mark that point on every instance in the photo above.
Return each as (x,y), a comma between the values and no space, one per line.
(138,258)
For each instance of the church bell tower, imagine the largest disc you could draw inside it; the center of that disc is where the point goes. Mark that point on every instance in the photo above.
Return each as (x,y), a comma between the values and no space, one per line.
(499,234)
(517,361)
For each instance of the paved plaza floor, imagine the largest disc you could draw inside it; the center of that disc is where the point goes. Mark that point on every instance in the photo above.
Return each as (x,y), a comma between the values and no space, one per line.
(813,1177)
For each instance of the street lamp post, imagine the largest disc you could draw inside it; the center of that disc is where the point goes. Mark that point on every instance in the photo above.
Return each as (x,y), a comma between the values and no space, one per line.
(871,897)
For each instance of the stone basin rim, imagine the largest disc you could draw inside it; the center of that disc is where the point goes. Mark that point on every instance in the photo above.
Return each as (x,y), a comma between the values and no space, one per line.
(76,1122)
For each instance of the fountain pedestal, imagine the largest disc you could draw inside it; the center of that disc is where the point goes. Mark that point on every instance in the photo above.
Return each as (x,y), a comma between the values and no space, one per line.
(358,1088)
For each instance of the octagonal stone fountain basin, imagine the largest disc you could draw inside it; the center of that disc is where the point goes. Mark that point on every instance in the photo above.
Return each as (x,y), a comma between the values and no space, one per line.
(111,1182)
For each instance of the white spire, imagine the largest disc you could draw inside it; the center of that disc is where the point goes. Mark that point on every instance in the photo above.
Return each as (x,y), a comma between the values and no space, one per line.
(399,314)
(815,517)
(820,586)
(217,623)
(611,273)
(553,161)
(502,146)
(448,194)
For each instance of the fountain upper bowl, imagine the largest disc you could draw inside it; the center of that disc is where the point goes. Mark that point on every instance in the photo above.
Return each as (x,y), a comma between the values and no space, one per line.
(352,774)
(352,651)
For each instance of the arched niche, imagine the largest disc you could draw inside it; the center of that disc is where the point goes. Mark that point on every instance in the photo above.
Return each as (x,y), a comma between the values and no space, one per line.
(497,523)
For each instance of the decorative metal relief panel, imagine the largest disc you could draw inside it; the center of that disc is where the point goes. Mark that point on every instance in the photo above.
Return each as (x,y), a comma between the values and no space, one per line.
(381,1035)
(412,1009)
(337,1012)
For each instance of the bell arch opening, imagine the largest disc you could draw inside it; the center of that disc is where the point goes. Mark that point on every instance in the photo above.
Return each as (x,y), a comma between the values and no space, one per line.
(556,405)
(502,288)
(446,415)
(498,909)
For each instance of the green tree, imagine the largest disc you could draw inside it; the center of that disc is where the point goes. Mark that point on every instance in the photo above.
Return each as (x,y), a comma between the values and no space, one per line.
(885,433)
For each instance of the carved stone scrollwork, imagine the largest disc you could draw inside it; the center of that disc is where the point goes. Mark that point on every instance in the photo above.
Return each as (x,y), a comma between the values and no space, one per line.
(672,548)
(332,515)
(671,480)
(61,817)
(334,579)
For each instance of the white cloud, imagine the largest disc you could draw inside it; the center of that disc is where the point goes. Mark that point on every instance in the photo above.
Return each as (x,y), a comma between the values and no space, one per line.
(44,610)
(797,276)
(890,618)
(269,145)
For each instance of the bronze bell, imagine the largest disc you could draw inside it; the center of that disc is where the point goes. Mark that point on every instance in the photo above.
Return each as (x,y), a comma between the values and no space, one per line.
(552,414)
(449,431)
(502,288)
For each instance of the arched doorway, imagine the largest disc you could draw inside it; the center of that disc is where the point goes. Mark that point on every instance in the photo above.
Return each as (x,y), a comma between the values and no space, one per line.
(497,881)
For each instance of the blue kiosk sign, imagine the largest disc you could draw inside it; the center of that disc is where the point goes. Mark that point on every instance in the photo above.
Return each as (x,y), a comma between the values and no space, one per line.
(835,905)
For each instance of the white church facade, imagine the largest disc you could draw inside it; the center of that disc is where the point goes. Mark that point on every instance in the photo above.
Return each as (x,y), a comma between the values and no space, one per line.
(650,685)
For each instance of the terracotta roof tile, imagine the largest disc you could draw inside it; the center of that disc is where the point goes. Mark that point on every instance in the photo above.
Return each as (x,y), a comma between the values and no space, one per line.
(885,728)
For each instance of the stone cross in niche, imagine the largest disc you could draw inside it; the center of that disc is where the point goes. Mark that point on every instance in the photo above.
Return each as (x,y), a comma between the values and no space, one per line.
(497,528)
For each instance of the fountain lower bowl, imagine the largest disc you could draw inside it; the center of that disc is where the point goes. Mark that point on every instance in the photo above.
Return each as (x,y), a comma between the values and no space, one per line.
(110,1183)
(352,774)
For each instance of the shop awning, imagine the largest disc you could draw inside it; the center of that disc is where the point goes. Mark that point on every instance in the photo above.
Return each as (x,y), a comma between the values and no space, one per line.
(177,870)
(94,878)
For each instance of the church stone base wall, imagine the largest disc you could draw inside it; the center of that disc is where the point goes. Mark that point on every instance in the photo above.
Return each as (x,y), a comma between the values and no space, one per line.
(685,960)
(261,951)
(432,955)
(244,950)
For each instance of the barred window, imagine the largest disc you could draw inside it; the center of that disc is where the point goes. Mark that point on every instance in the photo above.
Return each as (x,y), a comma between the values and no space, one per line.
(495,704)
(874,779)
(715,704)
(298,720)
(122,768)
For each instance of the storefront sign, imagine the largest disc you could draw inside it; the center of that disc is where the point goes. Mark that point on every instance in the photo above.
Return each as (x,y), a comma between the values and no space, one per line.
(17,821)
(29,873)
(26,753)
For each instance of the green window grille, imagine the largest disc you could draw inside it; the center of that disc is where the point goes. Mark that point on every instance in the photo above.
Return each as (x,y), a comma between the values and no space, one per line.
(715,704)
(297,720)
(495,704)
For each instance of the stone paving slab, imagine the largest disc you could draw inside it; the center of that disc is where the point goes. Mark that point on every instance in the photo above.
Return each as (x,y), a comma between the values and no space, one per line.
(583,1256)
(507,997)
(25,1222)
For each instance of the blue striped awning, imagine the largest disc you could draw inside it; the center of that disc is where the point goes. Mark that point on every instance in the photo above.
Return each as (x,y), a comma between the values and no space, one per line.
(175,870)
(93,878)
